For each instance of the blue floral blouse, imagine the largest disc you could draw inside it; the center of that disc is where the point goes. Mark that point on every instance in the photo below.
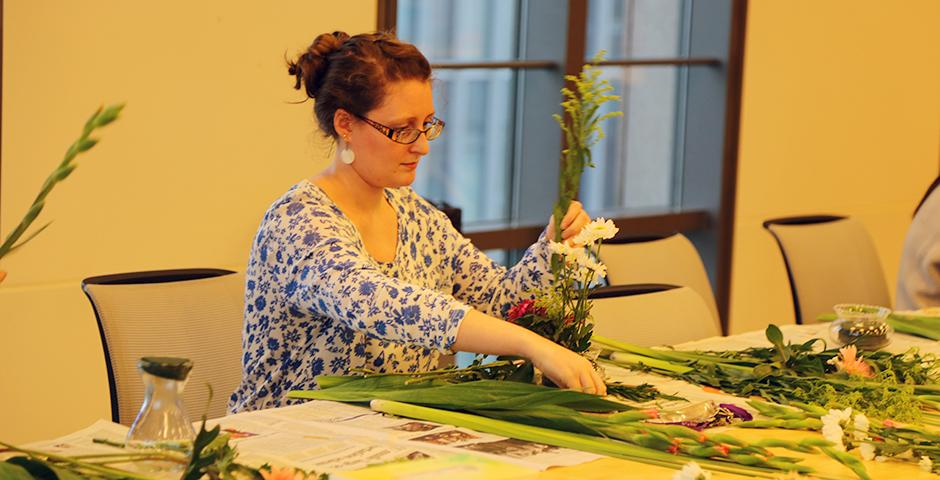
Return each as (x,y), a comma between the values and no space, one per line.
(318,303)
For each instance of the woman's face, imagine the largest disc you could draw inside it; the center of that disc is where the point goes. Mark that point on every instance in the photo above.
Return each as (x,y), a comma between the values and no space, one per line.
(380,161)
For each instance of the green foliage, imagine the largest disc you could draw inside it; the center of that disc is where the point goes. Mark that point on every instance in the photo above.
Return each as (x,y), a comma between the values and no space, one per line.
(787,373)
(478,394)
(581,125)
(101,117)
(639,393)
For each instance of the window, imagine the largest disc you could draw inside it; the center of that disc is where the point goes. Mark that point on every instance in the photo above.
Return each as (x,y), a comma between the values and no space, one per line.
(667,165)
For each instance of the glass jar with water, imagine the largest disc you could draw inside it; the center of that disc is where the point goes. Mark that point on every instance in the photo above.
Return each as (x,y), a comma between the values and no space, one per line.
(163,421)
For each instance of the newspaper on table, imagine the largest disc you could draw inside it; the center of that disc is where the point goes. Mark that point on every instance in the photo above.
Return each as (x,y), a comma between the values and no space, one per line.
(330,437)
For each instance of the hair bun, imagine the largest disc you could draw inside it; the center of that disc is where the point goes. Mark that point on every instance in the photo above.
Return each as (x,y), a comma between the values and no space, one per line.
(311,66)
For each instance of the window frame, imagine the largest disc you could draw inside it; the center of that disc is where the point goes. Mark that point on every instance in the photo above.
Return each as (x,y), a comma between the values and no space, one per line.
(706,209)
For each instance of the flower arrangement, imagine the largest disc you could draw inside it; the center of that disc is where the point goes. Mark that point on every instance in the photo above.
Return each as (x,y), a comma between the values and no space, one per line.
(881,385)
(562,310)
(581,127)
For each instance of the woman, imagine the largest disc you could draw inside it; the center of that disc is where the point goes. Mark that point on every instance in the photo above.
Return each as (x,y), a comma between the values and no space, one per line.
(919,274)
(352,270)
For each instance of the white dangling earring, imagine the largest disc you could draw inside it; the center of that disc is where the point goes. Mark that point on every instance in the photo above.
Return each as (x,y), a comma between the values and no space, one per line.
(347,156)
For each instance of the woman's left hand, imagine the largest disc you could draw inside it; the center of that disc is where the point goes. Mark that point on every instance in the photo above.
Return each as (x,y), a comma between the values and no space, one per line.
(571,225)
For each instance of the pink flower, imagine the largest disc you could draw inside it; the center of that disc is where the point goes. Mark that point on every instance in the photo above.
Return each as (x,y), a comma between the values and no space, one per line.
(521,309)
(848,363)
(285,473)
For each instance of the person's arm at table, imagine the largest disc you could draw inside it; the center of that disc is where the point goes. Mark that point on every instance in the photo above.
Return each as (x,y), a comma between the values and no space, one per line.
(482,333)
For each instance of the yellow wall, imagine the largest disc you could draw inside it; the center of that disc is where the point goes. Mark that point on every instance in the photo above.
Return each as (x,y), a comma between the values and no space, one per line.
(841,114)
(207,141)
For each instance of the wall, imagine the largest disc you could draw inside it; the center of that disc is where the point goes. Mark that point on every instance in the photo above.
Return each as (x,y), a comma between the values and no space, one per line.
(841,114)
(208,139)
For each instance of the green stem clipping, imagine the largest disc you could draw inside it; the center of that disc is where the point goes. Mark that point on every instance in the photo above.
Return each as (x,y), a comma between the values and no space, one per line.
(100,118)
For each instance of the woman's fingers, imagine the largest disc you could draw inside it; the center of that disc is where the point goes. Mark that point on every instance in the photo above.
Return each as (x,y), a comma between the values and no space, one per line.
(568,369)
(600,387)
(576,225)
(573,210)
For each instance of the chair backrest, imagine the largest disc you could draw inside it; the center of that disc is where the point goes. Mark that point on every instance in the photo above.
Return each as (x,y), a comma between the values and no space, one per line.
(196,314)
(829,260)
(652,314)
(669,259)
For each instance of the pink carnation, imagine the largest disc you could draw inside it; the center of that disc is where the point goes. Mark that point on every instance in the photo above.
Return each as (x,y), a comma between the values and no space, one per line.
(526,307)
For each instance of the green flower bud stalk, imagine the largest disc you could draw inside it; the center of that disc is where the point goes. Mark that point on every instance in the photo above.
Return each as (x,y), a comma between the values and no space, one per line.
(100,118)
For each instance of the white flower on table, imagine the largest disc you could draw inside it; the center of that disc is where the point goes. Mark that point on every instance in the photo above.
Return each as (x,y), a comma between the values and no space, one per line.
(832,426)
(925,464)
(867,451)
(860,426)
(599,229)
(692,471)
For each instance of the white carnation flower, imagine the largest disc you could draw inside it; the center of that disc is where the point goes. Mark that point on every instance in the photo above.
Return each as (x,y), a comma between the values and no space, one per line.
(832,426)
(867,451)
(925,464)
(833,433)
(692,471)
(860,426)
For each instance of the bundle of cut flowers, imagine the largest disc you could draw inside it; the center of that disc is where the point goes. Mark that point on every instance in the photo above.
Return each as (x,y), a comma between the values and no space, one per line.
(564,418)
(879,384)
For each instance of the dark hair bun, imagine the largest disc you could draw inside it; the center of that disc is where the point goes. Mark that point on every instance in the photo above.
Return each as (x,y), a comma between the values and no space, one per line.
(311,66)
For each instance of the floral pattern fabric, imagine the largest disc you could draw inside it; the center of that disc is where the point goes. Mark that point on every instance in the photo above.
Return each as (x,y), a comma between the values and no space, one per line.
(317,303)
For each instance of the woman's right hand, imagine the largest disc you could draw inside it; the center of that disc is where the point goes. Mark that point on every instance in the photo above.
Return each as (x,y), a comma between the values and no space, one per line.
(482,333)
(566,368)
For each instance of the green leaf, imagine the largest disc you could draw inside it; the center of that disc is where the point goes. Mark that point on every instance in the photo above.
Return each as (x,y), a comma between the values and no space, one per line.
(86,144)
(90,123)
(482,394)
(38,469)
(63,172)
(848,460)
(109,115)
(776,337)
(65,474)
(30,237)
(12,471)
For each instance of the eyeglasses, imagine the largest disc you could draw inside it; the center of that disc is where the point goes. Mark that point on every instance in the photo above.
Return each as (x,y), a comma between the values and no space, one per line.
(408,135)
